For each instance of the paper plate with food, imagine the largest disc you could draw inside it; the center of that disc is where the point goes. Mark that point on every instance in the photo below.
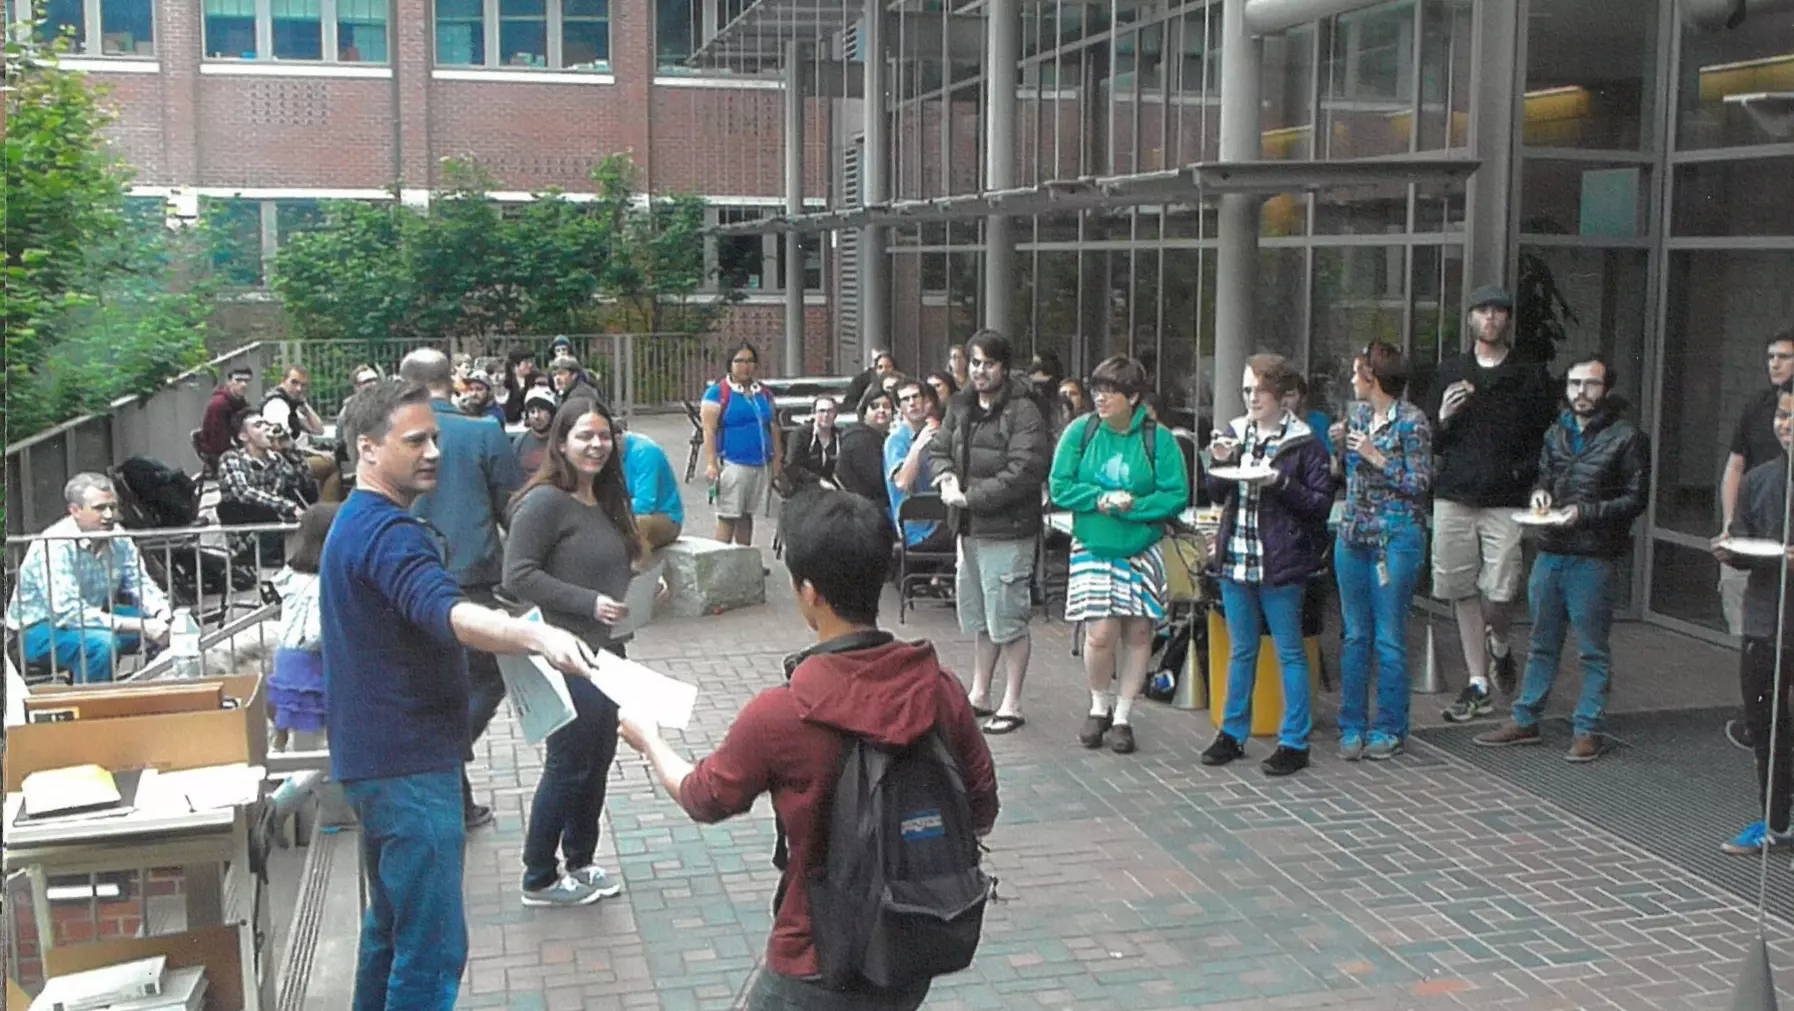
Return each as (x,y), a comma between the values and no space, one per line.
(1752,547)
(1253,473)
(1542,517)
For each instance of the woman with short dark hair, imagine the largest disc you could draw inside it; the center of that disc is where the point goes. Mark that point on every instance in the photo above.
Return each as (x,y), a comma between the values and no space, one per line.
(1272,538)
(861,467)
(1121,480)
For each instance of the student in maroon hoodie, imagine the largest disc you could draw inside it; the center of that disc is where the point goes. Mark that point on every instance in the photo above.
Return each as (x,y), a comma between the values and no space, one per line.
(787,741)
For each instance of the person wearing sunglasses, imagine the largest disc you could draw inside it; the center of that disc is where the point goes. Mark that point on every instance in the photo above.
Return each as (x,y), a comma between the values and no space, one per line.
(1272,538)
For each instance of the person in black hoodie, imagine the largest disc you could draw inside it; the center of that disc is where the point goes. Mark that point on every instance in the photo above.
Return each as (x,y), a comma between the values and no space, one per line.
(861,466)
(1593,474)
(1489,412)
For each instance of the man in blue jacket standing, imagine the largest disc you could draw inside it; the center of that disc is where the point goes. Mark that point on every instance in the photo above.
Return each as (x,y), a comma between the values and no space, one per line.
(476,476)
(395,672)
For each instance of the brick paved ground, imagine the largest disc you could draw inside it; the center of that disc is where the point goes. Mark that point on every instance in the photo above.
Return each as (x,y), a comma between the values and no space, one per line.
(1138,882)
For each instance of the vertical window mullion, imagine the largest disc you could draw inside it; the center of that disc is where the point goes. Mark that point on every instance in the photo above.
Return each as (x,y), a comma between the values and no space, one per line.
(489,26)
(91,31)
(555,20)
(331,50)
(270,237)
(264,29)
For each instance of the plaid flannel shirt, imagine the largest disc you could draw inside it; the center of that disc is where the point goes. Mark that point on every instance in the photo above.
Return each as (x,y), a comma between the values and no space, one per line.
(1244,561)
(74,582)
(275,482)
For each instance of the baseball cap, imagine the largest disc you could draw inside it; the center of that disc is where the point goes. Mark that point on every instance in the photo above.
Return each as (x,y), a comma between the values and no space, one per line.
(1491,295)
(479,376)
(539,398)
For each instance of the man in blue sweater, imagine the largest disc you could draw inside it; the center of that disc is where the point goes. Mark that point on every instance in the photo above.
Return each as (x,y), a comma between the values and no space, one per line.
(395,672)
(475,478)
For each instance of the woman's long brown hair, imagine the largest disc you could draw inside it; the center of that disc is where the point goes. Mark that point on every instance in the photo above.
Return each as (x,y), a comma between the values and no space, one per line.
(609,487)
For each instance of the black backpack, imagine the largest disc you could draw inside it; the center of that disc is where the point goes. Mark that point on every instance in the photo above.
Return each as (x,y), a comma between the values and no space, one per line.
(901,896)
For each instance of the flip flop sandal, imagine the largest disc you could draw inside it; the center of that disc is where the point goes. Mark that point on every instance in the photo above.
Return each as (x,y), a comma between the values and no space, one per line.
(983,712)
(1003,724)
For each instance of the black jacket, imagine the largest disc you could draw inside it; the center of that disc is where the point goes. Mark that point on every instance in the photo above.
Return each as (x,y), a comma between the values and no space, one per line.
(1292,510)
(1487,454)
(1762,512)
(1607,482)
(861,466)
(1001,457)
(808,462)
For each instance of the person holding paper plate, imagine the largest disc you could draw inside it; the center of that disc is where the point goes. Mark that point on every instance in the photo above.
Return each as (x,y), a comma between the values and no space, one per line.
(571,551)
(1276,482)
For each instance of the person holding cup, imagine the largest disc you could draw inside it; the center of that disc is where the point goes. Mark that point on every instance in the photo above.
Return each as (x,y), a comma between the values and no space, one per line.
(1272,537)
(1385,453)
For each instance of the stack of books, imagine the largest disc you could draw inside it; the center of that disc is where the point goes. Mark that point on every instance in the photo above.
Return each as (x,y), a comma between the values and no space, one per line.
(143,985)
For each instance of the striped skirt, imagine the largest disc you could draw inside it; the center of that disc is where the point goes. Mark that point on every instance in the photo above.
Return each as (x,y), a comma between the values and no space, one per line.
(1115,587)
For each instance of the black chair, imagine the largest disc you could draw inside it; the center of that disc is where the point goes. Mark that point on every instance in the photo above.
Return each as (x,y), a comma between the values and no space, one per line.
(919,568)
(696,418)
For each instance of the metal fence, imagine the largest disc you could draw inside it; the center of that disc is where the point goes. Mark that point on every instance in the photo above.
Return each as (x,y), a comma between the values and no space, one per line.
(216,574)
(642,371)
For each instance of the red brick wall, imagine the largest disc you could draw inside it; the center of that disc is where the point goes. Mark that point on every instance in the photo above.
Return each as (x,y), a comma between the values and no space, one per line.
(295,131)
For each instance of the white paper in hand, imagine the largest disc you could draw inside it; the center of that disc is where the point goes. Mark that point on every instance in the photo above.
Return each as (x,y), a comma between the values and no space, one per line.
(640,601)
(639,689)
(537,692)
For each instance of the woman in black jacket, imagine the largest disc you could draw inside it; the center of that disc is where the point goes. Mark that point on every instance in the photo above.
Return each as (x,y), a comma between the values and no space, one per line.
(810,455)
(861,466)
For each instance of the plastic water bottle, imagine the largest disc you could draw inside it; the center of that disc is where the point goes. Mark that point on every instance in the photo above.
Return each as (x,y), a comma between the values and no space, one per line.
(183,645)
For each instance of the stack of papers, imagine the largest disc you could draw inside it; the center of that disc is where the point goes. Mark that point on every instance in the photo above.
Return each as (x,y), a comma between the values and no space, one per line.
(539,692)
(143,985)
(77,793)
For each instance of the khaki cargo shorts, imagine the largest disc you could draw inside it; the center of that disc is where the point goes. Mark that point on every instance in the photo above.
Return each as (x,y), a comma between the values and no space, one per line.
(739,491)
(992,587)
(1476,550)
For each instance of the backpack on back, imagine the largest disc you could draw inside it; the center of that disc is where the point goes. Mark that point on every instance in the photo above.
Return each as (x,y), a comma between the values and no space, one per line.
(901,896)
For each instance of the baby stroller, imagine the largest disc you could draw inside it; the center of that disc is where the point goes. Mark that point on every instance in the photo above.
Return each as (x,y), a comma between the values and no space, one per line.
(154,496)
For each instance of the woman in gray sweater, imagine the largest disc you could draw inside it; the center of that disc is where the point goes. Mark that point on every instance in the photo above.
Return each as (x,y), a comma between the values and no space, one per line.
(571,552)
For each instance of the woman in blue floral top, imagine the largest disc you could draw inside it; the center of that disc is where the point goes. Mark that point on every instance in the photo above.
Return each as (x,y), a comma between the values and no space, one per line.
(1384,448)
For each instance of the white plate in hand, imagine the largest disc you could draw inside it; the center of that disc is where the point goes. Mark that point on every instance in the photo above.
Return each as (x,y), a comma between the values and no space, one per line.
(1548,518)
(1753,547)
(1250,475)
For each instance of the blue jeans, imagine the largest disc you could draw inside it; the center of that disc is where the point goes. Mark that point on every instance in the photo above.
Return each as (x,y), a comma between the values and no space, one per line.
(570,795)
(1569,591)
(414,936)
(86,653)
(1376,622)
(1250,608)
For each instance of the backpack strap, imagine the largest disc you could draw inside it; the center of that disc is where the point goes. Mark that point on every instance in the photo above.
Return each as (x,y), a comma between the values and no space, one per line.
(1149,433)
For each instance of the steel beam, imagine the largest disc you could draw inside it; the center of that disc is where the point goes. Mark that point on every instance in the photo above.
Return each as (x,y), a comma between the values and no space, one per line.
(1236,248)
(1495,108)
(1003,38)
(794,207)
(1268,17)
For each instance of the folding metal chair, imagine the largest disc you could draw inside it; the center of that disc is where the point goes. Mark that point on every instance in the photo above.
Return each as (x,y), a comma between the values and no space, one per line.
(919,568)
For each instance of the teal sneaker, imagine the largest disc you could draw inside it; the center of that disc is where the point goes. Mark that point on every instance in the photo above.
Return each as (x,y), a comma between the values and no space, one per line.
(1756,838)
(1351,745)
(1382,747)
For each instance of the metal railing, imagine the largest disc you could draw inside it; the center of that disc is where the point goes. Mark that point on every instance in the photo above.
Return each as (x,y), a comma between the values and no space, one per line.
(217,574)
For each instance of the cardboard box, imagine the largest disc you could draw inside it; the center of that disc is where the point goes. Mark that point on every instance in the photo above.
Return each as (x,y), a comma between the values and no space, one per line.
(165,741)
(90,702)
(219,949)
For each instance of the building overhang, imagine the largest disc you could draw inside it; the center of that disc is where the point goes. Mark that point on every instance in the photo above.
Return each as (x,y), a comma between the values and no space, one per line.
(1192,184)
(760,32)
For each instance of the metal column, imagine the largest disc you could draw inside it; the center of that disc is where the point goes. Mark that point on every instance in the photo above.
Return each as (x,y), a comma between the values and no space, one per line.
(875,158)
(1236,252)
(1495,99)
(794,205)
(1002,53)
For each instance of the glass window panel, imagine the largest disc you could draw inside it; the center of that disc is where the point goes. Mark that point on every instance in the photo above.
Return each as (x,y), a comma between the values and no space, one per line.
(1445,74)
(523,33)
(1754,197)
(1186,355)
(1723,305)
(1288,96)
(294,216)
(965,301)
(1195,88)
(1284,214)
(1057,228)
(1757,58)
(236,240)
(585,39)
(1120,107)
(676,31)
(1056,304)
(966,160)
(298,29)
(127,28)
(1439,207)
(1190,221)
(1602,309)
(1590,72)
(1360,295)
(1362,210)
(361,31)
(460,33)
(1368,81)
(230,29)
(65,18)
(1584,198)
(1280,297)
(1437,288)
(1149,90)
(1682,581)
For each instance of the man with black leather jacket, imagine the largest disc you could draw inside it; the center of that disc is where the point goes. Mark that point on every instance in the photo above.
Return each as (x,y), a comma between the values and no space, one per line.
(1594,470)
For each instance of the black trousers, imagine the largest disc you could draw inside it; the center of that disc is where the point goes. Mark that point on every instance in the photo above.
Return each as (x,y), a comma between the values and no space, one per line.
(273,554)
(486,689)
(1756,680)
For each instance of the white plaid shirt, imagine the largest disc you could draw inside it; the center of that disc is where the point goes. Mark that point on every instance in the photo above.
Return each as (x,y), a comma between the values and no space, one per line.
(82,579)
(1244,561)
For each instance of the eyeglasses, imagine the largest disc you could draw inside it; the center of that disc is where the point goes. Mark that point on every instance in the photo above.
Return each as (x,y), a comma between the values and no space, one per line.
(743,361)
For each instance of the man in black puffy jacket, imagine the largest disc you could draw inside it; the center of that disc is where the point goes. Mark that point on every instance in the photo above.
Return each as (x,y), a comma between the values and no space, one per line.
(1593,474)
(990,461)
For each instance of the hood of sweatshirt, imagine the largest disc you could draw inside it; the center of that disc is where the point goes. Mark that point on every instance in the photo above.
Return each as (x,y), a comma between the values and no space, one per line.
(890,694)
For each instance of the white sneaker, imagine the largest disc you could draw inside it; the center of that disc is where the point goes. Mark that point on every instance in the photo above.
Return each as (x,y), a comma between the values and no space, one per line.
(593,876)
(568,891)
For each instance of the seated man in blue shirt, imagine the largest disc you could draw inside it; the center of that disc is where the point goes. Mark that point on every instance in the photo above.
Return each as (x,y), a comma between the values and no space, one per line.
(395,673)
(81,601)
(906,462)
(653,491)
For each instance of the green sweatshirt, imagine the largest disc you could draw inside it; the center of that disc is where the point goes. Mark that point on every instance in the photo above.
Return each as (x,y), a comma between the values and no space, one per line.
(1116,461)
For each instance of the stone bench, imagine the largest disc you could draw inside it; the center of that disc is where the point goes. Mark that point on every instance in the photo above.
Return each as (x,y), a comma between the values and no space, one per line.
(706,576)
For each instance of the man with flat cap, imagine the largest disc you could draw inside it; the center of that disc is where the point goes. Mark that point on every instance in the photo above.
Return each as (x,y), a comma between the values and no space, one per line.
(1489,413)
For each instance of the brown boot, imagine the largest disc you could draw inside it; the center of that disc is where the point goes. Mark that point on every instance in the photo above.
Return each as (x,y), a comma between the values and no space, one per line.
(1508,733)
(1586,748)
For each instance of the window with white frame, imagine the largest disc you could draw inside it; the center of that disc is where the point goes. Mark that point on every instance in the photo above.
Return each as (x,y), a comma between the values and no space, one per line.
(315,31)
(523,34)
(246,234)
(757,262)
(97,27)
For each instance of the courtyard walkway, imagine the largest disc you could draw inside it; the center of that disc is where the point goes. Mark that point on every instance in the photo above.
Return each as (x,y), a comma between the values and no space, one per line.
(1145,881)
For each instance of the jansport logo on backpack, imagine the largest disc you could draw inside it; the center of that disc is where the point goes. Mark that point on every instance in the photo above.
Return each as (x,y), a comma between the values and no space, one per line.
(901,898)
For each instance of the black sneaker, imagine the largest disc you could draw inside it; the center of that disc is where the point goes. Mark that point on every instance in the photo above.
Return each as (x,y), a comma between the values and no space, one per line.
(1224,749)
(1502,669)
(1738,732)
(476,816)
(1472,702)
(1090,735)
(1285,761)
(1123,744)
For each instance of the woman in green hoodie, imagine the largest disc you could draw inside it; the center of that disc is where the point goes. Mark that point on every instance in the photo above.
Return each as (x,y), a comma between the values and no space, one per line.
(1121,478)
